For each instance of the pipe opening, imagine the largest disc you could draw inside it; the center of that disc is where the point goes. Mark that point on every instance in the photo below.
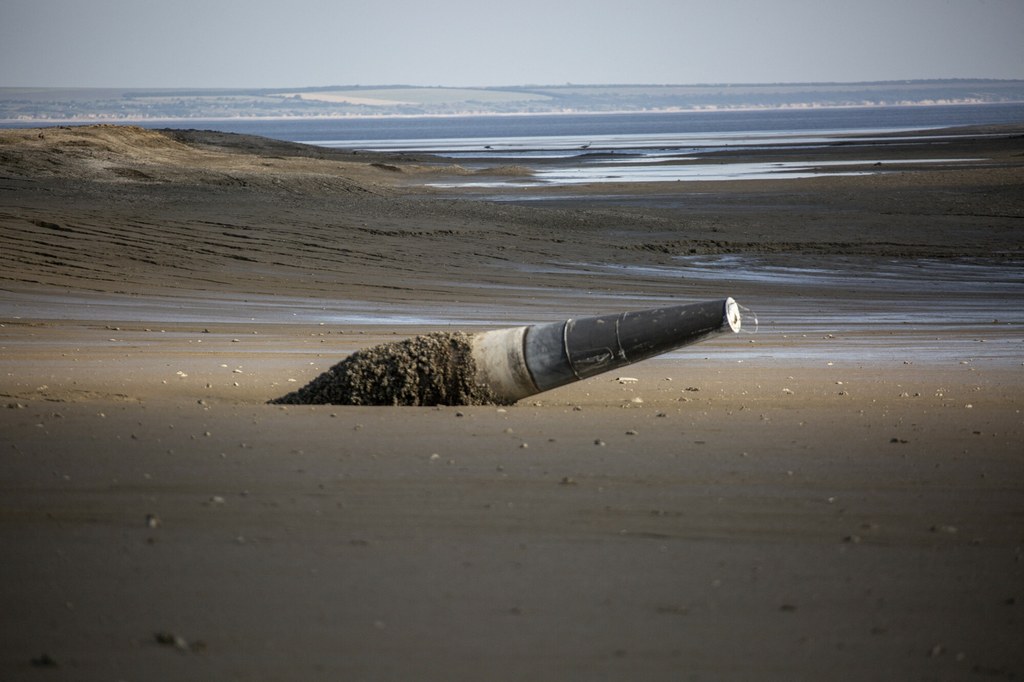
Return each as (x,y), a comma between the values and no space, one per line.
(732,314)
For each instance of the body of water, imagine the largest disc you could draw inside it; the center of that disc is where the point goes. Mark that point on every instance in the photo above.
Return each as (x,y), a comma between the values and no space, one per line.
(570,149)
(567,149)
(574,130)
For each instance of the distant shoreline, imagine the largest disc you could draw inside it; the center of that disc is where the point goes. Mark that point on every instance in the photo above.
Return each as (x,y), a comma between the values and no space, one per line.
(113,120)
(97,105)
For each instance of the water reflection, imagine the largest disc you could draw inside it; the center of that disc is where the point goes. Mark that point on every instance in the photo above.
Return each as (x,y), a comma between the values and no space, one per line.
(684,169)
(666,157)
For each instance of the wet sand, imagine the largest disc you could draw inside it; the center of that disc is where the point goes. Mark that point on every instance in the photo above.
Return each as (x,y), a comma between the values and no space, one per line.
(838,496)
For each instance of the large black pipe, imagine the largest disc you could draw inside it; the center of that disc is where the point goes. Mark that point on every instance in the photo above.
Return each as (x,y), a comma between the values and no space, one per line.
(515,363)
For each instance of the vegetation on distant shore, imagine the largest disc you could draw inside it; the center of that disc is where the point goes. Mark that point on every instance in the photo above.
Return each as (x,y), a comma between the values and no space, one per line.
(98,104)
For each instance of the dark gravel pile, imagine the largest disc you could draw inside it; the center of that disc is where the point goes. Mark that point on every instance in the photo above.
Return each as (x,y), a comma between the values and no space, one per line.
(433,369)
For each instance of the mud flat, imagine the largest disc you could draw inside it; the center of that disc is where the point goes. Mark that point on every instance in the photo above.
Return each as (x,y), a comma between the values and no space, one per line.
(841,491)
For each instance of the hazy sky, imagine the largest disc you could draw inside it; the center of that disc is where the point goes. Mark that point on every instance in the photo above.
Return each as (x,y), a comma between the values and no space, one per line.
(278,43)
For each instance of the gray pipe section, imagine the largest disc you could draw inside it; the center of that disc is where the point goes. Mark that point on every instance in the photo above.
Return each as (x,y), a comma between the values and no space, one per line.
(518,362)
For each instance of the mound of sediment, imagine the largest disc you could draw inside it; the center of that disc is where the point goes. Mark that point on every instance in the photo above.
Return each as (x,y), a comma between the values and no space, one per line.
(433,369)
(130,154)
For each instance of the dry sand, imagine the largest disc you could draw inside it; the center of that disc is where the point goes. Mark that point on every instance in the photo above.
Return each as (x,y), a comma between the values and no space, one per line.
(839,496)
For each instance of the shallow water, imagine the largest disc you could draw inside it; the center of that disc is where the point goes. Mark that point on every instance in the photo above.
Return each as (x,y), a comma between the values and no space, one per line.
(885,290)
(658,170)
(925,275)
(569,146)
(815,308)
(663,156)
(204,308)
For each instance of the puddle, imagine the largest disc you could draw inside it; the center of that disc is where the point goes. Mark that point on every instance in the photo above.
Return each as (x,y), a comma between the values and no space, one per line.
(683,169)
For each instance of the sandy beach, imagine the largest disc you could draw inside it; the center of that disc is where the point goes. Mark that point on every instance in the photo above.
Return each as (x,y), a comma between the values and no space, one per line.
(837,492)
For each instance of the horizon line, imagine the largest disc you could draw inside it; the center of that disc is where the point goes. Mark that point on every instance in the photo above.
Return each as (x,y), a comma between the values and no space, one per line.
(516,86)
